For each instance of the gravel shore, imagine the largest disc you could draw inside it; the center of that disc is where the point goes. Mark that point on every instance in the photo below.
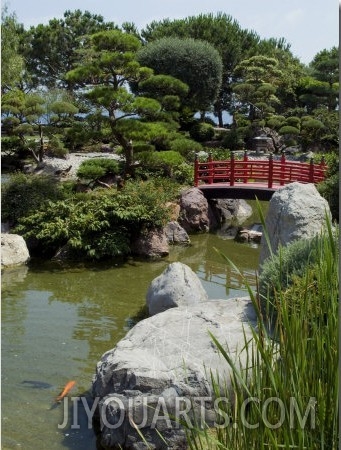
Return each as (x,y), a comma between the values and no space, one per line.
(52,165)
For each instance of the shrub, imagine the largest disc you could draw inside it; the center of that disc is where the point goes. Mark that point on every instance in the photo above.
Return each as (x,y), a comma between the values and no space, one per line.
(287,129)
(330,190)
(56,148)
(100,225)
(201,132)
(24,194)
(13,144)
(186,147)
(279,271)
(142,147)
(92,169)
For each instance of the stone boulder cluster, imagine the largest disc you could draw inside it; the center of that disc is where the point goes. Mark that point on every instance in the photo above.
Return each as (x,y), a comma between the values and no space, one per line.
(193,214)
(160,373)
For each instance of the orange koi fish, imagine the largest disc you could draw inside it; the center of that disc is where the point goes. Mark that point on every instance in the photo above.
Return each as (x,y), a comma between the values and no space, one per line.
(69,385)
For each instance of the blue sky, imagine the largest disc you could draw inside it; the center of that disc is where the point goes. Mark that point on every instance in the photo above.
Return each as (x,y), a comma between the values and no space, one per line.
(308,25)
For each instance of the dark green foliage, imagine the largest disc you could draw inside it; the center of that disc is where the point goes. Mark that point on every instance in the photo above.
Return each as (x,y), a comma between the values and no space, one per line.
(201,132)
(100,225)
(92,169)
(24,194)
(143,148)
(186,147)
(233,140)
(13,145)
(330,190)
(287,129)
(165,165)
(56,148)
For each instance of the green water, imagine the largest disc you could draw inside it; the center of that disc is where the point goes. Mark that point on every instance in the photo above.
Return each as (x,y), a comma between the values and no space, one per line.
(57,321)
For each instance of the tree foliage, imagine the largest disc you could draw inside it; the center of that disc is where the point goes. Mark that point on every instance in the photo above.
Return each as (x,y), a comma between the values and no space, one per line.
(51,50)
(12,62)
(185,59)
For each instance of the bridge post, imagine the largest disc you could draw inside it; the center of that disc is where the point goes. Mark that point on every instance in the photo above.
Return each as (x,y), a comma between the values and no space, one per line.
(282,176)
(323,166)
(245,159)
(311,171)
(196,170)
(232,170)
(271,168)
(210,169)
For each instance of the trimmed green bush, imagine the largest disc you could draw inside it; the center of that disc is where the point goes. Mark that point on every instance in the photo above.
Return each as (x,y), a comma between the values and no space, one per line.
(92,169)
(287,129)
(201,132)
(24,194)
(186,147)
(142,147)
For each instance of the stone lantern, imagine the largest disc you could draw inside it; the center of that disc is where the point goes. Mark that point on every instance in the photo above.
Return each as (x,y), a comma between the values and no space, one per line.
(261,144)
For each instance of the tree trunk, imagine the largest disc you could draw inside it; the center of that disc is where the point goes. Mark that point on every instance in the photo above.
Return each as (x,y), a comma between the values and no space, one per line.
(128,152)
(41,144)
(219,114)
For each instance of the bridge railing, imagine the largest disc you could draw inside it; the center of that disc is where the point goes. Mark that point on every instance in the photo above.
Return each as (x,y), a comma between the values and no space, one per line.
(270,172)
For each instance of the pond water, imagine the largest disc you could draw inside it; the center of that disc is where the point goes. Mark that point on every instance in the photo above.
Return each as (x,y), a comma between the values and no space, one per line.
(57,321)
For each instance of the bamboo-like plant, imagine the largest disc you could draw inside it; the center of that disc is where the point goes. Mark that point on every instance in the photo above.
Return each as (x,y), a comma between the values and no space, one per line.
(286,397)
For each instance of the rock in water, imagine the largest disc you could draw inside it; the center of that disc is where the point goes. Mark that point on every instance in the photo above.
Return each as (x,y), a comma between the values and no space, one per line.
(178,285)
(13,250)
(163,367)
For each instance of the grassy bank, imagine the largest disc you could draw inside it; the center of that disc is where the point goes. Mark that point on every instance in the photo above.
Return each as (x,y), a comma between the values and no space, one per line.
(287,396)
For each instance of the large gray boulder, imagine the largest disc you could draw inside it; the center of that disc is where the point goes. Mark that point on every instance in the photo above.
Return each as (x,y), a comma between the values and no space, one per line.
(178,285)
(194,212)
(13,250)
(163,366)
(296,211)
(151,243)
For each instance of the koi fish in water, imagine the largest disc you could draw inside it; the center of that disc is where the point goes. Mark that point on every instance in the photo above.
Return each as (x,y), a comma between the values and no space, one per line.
(65,391)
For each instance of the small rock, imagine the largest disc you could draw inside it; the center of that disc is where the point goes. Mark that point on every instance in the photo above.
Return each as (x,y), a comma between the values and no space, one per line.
(176,234)
(151,244)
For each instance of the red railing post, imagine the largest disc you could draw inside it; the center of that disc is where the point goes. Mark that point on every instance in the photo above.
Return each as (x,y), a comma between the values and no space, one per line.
(210,169)
(271,168)
(323,166)
(196,170)
(232,170)
(311,171)
(246,174)
(282,175)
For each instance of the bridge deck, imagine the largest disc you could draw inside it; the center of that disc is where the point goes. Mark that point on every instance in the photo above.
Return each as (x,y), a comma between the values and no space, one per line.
(247,191)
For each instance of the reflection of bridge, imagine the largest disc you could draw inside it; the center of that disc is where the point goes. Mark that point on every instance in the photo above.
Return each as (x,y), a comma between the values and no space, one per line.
(248,178)
(226,277)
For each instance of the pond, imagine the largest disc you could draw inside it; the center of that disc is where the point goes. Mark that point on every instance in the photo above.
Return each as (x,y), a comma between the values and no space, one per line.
(58,320)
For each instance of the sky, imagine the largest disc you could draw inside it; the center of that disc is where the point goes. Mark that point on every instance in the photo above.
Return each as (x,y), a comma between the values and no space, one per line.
(308,25)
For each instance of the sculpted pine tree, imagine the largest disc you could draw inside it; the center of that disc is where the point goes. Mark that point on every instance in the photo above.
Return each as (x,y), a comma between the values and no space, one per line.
(108,66)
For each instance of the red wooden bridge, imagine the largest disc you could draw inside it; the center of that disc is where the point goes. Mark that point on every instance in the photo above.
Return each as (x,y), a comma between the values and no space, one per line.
(250,178)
